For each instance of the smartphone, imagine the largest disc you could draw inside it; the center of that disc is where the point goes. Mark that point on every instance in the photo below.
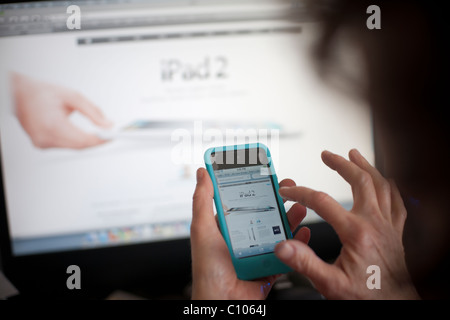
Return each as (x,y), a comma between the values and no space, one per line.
(250,211)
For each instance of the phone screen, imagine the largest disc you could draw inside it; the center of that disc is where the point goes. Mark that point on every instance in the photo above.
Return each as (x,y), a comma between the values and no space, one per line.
(249,204)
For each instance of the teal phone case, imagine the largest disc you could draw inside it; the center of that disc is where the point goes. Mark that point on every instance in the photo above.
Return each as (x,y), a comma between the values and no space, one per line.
(259,266)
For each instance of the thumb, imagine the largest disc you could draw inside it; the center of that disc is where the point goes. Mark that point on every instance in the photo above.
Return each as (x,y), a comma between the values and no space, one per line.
(300,257)
(78,102)
(203,220)
(71,136)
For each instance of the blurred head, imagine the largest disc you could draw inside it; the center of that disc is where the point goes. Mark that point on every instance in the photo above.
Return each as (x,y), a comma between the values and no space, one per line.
(406,68)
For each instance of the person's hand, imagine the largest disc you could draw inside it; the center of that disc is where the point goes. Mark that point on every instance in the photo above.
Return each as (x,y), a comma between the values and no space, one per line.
(213,274)
(43,111)
(371,234)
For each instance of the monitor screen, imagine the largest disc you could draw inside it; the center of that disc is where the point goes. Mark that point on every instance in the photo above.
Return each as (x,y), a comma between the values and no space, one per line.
(107,107)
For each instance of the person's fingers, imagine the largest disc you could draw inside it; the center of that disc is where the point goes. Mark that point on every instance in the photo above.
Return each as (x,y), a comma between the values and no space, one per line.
(287,183)
(301,258)
(398,210)
(203,220)
(303,234)
(324,205)
(359,179)
(78,102)
(295,215)
(382,186)
(297,212)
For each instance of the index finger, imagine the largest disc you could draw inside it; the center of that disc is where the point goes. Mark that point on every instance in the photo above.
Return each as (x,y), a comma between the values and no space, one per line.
(287,183)
(324,205)
(203,224)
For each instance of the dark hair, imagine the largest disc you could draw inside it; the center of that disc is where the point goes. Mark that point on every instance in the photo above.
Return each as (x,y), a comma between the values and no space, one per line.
(407,64)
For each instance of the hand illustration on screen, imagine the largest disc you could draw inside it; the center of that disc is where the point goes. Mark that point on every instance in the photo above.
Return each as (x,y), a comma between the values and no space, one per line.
(43,111)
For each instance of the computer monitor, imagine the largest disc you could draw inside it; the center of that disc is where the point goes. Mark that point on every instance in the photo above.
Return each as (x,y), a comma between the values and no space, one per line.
(107,108)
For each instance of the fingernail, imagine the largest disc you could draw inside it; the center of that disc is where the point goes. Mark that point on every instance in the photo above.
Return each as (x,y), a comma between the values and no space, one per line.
(284,250)
(327,153)
(282,190)
(199,174)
